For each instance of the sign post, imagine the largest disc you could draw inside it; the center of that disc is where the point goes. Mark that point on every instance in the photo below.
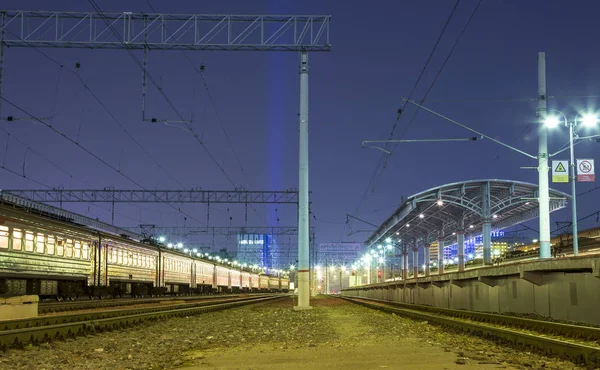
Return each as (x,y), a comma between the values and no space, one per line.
(559,171)
(585,170)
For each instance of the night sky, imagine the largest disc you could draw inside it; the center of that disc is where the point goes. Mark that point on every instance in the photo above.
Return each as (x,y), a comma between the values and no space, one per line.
(378,50)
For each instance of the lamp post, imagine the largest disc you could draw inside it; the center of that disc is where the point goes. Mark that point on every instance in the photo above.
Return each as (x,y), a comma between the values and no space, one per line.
(588,120)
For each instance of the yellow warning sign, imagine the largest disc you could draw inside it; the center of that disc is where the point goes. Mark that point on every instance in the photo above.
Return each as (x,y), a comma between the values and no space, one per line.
(559,171)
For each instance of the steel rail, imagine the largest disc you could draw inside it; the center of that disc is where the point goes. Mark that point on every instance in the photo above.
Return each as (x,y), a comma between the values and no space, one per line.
(578,353)
(19,337)
(40,321)
(48,307)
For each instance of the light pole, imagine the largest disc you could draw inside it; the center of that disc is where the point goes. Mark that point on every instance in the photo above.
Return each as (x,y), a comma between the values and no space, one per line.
(588,120)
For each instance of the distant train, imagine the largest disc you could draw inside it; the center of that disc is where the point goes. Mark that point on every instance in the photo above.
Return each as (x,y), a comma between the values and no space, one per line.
(54,257)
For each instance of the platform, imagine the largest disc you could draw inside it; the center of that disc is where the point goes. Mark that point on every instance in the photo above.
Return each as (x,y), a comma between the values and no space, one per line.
(563,289)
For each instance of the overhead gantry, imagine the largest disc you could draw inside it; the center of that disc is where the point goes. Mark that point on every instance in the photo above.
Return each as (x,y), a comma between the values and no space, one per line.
(446,212)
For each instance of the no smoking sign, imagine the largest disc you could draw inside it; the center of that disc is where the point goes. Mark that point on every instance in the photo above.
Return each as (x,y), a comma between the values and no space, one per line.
(585,170)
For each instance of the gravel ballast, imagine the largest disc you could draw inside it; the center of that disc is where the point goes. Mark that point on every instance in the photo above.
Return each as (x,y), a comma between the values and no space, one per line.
(335,334)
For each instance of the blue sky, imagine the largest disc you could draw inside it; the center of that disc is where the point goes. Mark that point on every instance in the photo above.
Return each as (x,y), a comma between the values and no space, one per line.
(378,51)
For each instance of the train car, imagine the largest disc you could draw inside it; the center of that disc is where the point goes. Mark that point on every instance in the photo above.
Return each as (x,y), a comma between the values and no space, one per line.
(285,285)
(222,279)
(176,270)
(204,273)
(39,256)
(263,282)
(254,282)
(235,277)
(245,281)
(274,283)
(131,269)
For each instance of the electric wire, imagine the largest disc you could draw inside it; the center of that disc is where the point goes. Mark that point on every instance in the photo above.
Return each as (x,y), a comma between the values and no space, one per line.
(160,90)
(382,159)
(104,106)
(58,132)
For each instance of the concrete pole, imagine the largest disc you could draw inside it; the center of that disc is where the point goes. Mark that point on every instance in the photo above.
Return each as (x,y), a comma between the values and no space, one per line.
(440,242)
(543,189)
(427,258)
(460,239)
(2,59)
(303,219)
(405,262)
(415,250)
(573,193)
(486,232)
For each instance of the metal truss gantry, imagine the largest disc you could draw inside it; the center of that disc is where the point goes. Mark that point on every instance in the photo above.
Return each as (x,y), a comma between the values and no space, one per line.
(157,196)
(166,31)
(155,230)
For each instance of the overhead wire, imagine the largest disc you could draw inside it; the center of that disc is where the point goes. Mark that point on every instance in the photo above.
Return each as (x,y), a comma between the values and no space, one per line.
(58,132)
(382,159)
(104,106)
(160,90)
(217,114)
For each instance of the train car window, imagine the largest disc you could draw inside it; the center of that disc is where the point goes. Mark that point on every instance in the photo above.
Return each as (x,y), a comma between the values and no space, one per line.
(120,256)
(4,237)
(17,239)
(40,245)
(28,241)
(50,242)
(69,248)
(77,249)
(60,247)
(85,251)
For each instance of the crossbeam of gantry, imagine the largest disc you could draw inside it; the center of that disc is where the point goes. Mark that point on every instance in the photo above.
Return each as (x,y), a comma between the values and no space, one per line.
(162,31)
(215,230)
(438,212)
(157,196)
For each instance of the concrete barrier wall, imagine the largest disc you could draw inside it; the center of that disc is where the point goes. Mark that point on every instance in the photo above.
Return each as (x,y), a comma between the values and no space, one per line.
(565,290)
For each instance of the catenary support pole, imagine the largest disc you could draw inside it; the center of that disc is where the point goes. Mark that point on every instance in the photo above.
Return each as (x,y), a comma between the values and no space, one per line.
(2,58)
(543,191)
(426,258)
(460,239)
(303,268)
(405,262)
(440,242)
(486,232)
(573,193)
(415,250)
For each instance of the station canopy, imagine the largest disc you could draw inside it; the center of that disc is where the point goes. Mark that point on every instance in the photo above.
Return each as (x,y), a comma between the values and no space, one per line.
(464,206)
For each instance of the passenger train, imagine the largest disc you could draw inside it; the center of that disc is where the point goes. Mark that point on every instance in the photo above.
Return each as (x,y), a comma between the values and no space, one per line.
(52,256)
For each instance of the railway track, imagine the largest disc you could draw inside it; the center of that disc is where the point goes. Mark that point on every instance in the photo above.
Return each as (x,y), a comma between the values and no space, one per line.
(48,307)
(15,333)
(579,344)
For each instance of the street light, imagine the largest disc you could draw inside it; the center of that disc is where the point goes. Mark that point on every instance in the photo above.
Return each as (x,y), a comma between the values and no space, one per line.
(588,120)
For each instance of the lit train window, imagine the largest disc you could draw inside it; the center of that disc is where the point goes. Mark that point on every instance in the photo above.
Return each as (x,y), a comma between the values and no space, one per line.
(50,242)
(28,241)
(40,243)
(85,251)
(69,248)
(4,237)
(17,238)
(77,249)
(60,247)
